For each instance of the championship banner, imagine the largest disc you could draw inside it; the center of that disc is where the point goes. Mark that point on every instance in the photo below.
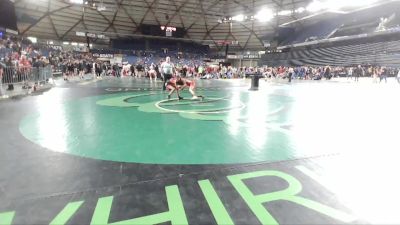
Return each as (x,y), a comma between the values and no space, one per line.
(103,55)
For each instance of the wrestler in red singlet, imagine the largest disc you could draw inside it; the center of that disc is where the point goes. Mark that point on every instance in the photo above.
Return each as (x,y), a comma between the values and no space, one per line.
(172,87)
(182,83)
(190,83)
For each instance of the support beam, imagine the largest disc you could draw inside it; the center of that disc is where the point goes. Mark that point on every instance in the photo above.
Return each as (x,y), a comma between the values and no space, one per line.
(44,16)
(65,34)
(129,15)
(147,12)
(198,16)
(51,21)
(252,32)
(178,9)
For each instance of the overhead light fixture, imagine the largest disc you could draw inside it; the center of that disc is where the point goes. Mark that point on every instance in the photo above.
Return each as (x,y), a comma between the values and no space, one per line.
(33,39)
(76,1)
(318,5)
(74,43)
(264,15)
(101,7)
(285,12)
(65,43)
(238,18)
(300,10)
(356,3)
(315,6)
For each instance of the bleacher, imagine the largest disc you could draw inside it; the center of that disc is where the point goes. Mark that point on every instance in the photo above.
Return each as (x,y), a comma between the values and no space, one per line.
(320,30)
(357,27)
(369,36)
(379,53)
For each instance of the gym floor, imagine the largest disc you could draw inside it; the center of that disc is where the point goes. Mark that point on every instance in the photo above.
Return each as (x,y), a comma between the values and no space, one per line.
(116,151)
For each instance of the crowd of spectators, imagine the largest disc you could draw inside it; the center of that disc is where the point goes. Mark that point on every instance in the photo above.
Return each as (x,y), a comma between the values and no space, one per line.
(18,58)
(16,61)
(305,72)
(328,72)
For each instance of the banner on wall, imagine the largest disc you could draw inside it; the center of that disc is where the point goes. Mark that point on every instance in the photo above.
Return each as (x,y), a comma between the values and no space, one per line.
(234,56)
(56,47)
(81,49)
(103,55)
(117,59)
(251,56)
(15,32)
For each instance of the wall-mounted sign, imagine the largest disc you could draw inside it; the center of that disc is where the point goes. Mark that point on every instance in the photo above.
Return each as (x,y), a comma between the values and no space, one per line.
(251,56)
(12,31)
(80,34)
(103,55)
(91,35)
(234,56)
(168,30)
(56,47)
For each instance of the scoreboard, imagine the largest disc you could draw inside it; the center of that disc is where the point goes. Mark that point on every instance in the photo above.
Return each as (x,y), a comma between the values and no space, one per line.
(162,31)
(168,30)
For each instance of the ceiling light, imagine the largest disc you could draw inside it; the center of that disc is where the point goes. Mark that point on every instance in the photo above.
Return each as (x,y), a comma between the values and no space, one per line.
(76,1)
(285,12)
(264,15)
(65,43)
(32,39)
(315,6)
(238,18)
(356,3)
(300,10)
(101,7)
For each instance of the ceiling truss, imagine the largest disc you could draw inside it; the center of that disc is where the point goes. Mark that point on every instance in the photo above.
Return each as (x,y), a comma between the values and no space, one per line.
(199,19)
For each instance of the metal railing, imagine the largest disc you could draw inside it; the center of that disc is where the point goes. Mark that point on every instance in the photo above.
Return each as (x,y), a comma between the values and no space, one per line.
(25,75)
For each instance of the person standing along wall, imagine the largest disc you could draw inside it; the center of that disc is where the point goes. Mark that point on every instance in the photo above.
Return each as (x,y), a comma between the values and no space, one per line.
(167,70)
(2,68)
(357,73)
(290,74)
(350,73)
(383,75)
